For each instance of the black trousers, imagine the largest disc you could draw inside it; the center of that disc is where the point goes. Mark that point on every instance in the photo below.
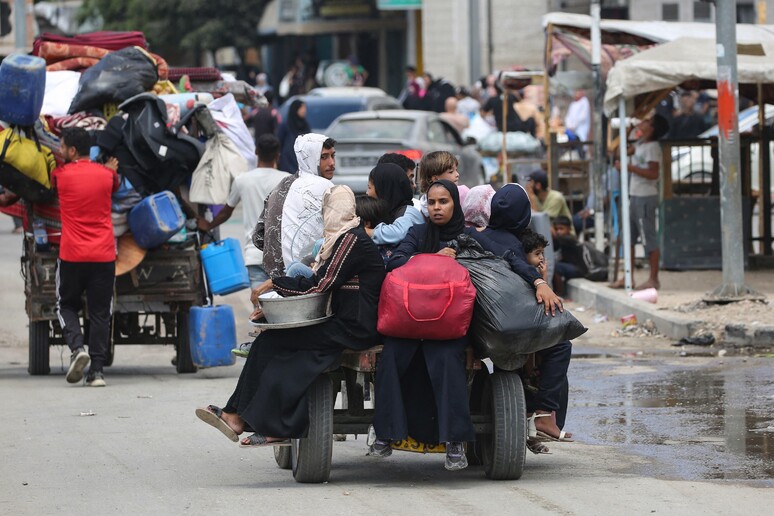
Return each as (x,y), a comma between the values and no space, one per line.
(552,385)
(97,280)
(421,391)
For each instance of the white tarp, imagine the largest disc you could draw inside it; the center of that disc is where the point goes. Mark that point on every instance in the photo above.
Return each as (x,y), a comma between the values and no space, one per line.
(668,65)
(660,31)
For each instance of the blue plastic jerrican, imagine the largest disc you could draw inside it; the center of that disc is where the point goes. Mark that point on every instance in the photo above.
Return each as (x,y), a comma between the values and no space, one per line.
(155,219)
(224,267)
(22,87)
(212,334)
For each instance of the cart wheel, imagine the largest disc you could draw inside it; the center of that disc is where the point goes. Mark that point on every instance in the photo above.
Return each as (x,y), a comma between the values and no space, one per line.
(184,364)
(283,458)
(38,346)
(311,456)
(505,449)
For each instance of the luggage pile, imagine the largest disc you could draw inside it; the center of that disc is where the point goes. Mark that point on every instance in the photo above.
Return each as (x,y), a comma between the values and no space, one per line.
(178,143)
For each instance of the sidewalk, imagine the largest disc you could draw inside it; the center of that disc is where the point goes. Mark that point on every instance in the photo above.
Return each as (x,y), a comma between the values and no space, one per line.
(680,311)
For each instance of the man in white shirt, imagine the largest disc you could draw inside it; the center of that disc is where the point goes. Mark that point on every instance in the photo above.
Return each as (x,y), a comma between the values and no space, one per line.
(252,188)
(644,167)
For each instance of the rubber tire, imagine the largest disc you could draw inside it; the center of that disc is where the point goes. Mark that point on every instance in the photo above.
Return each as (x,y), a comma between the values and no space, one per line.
(39,348)
(311,456)
(505,449)
(184,363)
(282,454)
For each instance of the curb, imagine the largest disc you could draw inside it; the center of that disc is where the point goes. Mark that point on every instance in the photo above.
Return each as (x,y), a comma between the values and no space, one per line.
(616,303)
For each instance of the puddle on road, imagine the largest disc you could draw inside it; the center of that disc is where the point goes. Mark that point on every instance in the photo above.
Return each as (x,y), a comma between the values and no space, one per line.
(708,421)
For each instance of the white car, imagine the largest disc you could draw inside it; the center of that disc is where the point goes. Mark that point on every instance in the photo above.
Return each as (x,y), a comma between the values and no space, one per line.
(692,164)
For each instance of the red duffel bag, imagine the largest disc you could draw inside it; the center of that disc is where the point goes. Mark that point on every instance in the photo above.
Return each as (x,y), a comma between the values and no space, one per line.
(430,297)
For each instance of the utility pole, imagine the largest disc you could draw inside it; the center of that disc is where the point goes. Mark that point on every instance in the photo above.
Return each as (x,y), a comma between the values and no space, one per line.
(732,244)
(598,165)
(20,25)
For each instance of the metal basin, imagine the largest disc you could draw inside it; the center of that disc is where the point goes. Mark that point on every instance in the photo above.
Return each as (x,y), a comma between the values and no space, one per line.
(280,310)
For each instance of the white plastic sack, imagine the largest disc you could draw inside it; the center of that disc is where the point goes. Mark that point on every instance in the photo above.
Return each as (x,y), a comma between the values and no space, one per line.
(478,128)
(220,164)
(514,142)
(61,88)
(226,113)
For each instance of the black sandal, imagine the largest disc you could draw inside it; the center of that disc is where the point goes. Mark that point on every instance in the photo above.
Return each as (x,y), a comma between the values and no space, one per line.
(260,441)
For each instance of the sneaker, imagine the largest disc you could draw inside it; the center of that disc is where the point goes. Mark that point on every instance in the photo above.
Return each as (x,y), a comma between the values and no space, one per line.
(455,457)
(242,350)
(78,362)
(380,448)
(95,379)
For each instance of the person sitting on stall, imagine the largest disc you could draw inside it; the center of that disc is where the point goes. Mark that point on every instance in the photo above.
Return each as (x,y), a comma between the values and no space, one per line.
(271,395)
(508,225)
(421,385)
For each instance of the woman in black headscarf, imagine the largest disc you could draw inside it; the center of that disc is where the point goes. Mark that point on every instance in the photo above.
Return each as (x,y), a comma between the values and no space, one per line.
(421,385)
(389,182)
(294,126)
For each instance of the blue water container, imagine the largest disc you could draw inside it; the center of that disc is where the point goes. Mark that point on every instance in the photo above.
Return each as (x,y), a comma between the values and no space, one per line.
(224,267)
(22,86)
(212,334)
(155,219)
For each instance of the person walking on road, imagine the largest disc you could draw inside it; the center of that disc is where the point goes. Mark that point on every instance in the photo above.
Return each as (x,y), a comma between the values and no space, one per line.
(252,188)
(289,130)
(87,253)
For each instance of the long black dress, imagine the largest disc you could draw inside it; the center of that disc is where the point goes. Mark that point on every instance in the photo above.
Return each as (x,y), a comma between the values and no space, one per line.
(421,385)
(271,394)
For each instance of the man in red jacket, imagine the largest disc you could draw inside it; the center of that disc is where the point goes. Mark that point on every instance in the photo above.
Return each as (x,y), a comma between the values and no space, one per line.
(87,253)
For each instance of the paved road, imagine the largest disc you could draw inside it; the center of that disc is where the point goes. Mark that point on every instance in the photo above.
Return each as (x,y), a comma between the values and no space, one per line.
(143,451)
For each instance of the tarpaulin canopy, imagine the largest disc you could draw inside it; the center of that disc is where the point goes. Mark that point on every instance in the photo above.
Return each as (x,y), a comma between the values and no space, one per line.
(569,34)
(687,59)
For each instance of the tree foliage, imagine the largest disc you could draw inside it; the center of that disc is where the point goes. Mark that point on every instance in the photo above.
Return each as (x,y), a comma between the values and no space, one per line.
(182,24)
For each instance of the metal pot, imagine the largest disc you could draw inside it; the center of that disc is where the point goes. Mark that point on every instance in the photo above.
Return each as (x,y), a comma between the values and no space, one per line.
(280,310)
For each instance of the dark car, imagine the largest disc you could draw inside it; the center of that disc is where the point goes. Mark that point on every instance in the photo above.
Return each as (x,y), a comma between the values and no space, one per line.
(323,105)
(361,138)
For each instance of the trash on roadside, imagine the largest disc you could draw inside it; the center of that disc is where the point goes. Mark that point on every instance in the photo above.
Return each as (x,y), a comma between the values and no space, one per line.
(600,318)
(704,339)
(722,353)
(629,320)
(89,413)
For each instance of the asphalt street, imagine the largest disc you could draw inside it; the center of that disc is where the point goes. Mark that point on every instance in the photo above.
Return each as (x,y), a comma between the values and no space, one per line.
(137,447)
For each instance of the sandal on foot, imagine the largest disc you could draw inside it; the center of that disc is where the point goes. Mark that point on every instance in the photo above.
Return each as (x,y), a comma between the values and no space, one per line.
(260,441)
(533,431)
(212,415)
(537,447)
(539,435)
(545,437)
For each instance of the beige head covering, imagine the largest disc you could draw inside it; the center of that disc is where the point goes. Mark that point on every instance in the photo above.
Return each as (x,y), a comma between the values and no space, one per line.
(338,211)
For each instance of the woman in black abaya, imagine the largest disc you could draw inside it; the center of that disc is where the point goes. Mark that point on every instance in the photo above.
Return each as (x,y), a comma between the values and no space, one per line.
(271,395)
(290,129)
(421,385)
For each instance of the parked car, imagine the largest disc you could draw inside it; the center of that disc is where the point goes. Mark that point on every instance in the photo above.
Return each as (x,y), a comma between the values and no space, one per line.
(323,105)
(692,164)
(361,138)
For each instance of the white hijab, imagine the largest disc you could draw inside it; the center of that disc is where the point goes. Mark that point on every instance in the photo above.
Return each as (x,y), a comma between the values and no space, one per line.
(302,221)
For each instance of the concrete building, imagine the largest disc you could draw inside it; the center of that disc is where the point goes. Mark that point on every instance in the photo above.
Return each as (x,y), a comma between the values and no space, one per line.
(462,40)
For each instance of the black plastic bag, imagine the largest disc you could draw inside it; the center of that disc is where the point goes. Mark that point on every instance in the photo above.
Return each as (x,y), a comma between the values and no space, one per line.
(508,324)
(118,76)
